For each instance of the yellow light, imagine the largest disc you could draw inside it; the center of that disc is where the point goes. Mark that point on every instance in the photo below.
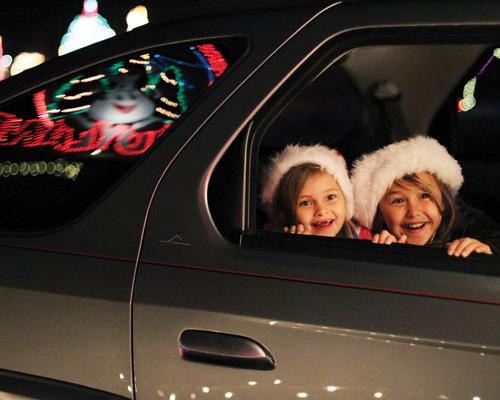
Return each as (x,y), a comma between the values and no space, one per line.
(174,104)
(132,61)
(67,110)
(78,96)
(92,78)
(24,61)
(167,79)
(136,17)
(469,101)
(167,113)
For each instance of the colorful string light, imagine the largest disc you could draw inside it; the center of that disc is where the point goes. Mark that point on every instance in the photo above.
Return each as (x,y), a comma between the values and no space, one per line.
(58,168)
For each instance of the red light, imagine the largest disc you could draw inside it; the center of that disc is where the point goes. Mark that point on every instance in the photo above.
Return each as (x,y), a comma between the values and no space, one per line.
(61,137)
(214,58)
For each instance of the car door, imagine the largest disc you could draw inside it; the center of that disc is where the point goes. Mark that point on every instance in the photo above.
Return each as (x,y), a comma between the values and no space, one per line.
(223,310)
(79,162)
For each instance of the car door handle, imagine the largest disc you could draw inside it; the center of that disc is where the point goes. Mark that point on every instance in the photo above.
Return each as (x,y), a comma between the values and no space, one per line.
(224,349)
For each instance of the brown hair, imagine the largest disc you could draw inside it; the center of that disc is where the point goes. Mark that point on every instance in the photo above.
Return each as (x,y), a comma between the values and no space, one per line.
(287,194)
(448,207)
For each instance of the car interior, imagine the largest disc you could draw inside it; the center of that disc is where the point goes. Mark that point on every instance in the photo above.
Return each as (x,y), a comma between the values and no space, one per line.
(369,97)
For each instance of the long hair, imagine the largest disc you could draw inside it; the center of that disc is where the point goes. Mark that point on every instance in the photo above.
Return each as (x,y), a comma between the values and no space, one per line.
(448,208)
(284,204)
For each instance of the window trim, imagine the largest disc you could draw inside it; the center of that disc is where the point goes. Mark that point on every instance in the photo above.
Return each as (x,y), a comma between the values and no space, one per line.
(327,54)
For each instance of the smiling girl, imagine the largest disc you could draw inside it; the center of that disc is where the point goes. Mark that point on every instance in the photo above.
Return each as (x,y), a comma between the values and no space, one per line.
(307,191)
(407,193)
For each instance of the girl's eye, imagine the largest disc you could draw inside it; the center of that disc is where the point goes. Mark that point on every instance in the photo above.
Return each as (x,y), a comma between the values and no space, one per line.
(397,201)
(304,203)
(425,195)
(331,196)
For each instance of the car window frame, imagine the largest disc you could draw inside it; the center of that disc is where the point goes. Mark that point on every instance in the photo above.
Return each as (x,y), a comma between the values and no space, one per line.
(330,52)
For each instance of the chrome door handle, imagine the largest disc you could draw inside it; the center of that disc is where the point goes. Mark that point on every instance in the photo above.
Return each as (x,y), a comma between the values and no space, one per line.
(224,349)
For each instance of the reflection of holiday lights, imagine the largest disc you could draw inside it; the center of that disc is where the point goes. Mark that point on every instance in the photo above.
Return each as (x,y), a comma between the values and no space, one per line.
(90,78)
(214,57)
(469,101)
(206,65)
(167,113)
(41,109)
(123,139)
(58,168)
(167,79)
(75,109)
(169,102)
(132,61)
(76,96)
(123,70)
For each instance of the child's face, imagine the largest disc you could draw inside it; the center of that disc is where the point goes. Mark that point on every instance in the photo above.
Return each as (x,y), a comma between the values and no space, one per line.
(321,205)
(410,210)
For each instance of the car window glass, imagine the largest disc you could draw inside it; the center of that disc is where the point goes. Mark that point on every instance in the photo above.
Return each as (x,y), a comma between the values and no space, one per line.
(65,144)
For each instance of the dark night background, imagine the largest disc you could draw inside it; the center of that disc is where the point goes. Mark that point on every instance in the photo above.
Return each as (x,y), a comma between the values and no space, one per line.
(38,25)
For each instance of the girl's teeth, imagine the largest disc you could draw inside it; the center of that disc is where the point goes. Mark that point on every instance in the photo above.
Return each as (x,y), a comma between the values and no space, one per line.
(323,223)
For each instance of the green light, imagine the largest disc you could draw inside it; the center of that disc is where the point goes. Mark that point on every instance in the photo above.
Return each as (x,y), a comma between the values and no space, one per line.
(34,168)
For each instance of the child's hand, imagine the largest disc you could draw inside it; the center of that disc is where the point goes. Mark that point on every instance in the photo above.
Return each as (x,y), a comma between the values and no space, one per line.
(464,246)
(385,237)
(299,229)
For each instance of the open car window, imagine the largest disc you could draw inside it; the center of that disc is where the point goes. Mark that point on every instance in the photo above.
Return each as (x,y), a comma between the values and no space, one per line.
(368,98)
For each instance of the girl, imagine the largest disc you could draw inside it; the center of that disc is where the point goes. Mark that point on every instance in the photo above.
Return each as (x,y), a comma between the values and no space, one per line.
(307,190)
(407,191)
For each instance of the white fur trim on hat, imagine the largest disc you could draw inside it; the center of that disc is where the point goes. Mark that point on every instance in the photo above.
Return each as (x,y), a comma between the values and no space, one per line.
(328,159)
(374,173)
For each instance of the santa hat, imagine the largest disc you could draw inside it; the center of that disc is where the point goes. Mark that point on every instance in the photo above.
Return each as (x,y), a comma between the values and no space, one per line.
(330,160)
(374,173)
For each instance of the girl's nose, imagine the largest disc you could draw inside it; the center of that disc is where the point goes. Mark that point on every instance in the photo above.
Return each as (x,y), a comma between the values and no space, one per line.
(413,208)
(320,209)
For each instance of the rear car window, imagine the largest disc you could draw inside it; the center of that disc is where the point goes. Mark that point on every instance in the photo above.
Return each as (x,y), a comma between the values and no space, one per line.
(65,145)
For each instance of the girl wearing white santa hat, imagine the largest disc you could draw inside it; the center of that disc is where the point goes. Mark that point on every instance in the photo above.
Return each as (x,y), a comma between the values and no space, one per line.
(306,190)
(406,192)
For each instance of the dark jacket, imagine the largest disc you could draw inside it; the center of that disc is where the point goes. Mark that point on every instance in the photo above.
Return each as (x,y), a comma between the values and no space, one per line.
(475,224)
